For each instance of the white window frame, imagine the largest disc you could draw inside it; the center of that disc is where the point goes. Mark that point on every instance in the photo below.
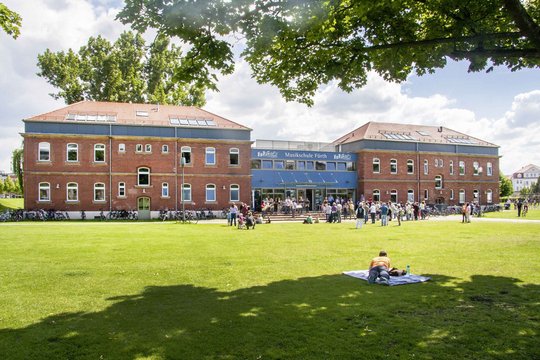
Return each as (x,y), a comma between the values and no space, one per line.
(210,151)
(462,168)
(98,187)
(142,171)
(70,148)
(376,162)
(410,166)
(186,150)
(393,166)
(121,189)
(121,148)
(186,193)
(98,148)
(139,148)
(476,167)
(234,193)
(148,148)
(410,195)
(451,167)
(426,167)
(451,194)
(209,190)
(489,196)
(46,187)
(489,169)
(164,149)
(72,186)
(438,182)
(376,195)
(165,190)
(46,148)
(461,199)
(234,152)
(394,195)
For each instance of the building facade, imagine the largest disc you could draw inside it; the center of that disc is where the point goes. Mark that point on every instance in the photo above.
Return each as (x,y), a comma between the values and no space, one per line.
(98,156)
(525,177)
(401,162)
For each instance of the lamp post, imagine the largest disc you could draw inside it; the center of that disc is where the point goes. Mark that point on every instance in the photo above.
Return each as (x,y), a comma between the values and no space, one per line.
(183,163)
(480,169)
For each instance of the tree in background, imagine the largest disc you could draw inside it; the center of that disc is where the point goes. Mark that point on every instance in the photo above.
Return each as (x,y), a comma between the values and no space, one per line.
(299,45)
(17,167)
(505,186)
(10,21)
(125,71)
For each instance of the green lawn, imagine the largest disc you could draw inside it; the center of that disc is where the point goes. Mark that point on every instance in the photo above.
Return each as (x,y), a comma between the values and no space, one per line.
(157,290)
(11,203)
(532,214)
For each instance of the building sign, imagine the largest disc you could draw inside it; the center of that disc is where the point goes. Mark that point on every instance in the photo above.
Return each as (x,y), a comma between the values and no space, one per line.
(301,155)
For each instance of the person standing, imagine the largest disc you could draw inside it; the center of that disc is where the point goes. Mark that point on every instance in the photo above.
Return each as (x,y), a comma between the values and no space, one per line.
(384,214)
(378,269)
(373,212)
(519,206)
(234,212)
(359,216)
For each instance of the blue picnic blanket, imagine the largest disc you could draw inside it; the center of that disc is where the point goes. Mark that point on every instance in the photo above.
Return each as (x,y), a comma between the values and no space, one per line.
(394,280)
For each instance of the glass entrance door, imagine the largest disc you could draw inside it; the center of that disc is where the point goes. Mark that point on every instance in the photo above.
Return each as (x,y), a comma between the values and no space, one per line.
(143,207)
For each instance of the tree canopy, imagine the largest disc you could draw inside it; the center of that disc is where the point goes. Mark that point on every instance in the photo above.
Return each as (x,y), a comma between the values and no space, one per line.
(299,45)
(124,71)
(505,185)
(10,21)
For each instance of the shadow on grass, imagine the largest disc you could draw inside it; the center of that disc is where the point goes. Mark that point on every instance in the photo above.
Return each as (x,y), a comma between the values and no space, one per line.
(319,318)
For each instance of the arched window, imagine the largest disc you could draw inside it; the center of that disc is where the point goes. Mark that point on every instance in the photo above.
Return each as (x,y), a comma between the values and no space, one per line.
(210,193)
(234,193)
(410,195)
(99,153)
(410,166)
(476,166)
(376,166)
(234,156)
(72,152)
(426,167)
(185,152)
(393,196)
(186,193)
(164,149)
(99,192)
(438,182)
(451,167)
(489,169)
(451,194)
(44,151)
(462,168)
(461,196)
(210,156)
(376,195)
(489,196)
(393,166)
(121,189)
(475,195)
(143,176)
(72,192)
(44,192)
(165,190)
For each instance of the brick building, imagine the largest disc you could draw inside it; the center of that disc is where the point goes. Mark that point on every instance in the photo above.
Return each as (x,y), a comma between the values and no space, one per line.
(97,156)
(401,162)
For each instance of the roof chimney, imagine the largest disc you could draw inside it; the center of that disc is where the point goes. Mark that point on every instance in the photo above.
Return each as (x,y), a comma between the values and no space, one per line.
(440,129)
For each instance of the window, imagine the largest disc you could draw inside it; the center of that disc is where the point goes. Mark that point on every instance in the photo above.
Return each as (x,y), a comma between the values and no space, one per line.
(279,164)
(436,163)
(438,182)
(426,194)
(410,195)
(476,167)
(376,195)
(331,166)
(376,166)
(234,156)
(164,149)
(72,152)
(462,168)
(234,193)
(489,169)
(186,193)
(451,165)
(452,194)
(72,192)
(210,192)
(256,164)
(289,164)
(489,196)
(426,167)
(165,190)
(143,176)
(185,153)
(122,148)
(121,189)
(210,156)
(342,166)
(138,148)
(475,194)
(267,164)
(393,196)
(461,196)
(99,153)
(44,151)
(300,165)
(393,166)
(44,192)
(99,192)
(148,148)
(320,165)
(310,165)
(410,166)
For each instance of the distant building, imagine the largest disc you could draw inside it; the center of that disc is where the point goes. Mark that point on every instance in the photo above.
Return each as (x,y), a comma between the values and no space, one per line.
(525,177)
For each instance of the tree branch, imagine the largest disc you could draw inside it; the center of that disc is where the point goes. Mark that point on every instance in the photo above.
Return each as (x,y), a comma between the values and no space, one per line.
(523,20)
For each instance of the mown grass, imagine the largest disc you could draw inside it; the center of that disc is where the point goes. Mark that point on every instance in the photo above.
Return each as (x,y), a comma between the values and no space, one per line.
(170,291)
(11,204)
(532,214)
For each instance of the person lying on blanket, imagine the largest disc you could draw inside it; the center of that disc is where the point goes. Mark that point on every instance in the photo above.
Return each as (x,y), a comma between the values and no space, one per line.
(378,269)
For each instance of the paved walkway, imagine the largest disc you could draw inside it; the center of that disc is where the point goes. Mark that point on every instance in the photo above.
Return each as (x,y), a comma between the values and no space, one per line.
(483,219)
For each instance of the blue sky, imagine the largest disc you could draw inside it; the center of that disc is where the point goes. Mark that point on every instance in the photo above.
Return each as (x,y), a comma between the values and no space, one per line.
(500,107)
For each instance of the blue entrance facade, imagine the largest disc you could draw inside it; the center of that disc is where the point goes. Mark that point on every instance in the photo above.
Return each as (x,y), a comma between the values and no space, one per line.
(308,177)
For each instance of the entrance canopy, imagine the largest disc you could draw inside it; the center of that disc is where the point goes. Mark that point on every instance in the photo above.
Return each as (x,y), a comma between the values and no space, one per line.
(303,179)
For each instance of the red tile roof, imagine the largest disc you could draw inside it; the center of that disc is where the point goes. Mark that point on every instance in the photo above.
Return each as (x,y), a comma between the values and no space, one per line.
(135,114)
(410,133)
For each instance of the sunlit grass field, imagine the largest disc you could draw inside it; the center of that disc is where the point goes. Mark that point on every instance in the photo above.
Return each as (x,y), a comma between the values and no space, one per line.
(11,203)
(75,290)
(532,214)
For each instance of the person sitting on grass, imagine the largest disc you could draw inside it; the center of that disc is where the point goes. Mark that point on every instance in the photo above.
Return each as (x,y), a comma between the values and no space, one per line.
(378,269)
(250,221)
(308,220)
